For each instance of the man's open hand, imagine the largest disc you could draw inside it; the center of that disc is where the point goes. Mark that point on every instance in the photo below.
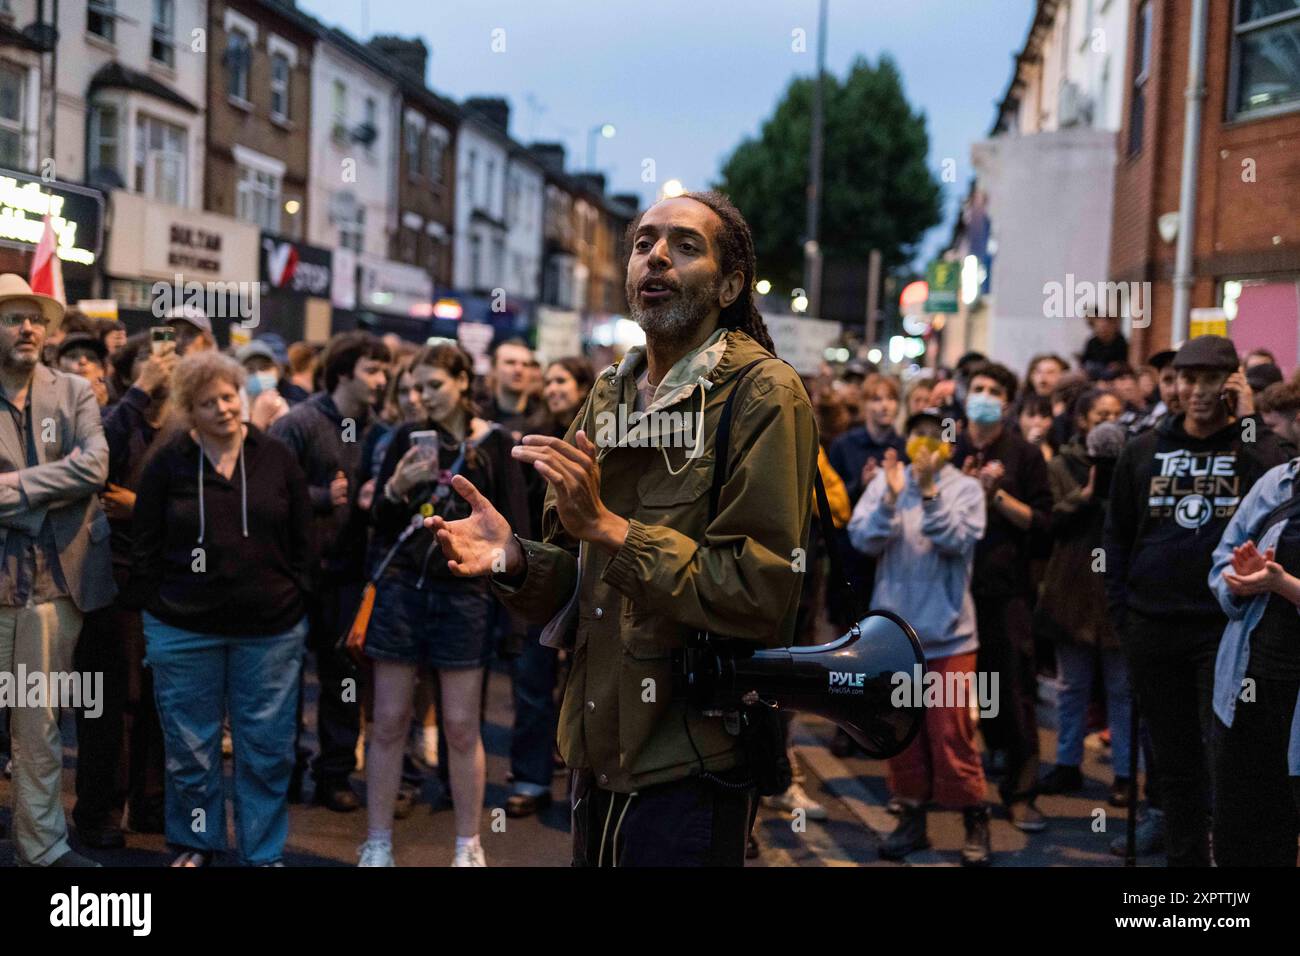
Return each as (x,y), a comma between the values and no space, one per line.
(480,544)
(574,473)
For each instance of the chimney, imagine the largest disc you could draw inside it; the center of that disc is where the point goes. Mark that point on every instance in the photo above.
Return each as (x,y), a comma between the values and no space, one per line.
(631,200)
(410,55)
(494,109)
(594,182)
(550,155)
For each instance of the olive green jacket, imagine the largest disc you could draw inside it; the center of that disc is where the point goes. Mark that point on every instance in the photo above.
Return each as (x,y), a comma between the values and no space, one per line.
(676,573)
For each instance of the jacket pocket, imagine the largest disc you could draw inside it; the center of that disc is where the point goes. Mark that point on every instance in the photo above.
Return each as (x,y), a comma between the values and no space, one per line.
(659,489)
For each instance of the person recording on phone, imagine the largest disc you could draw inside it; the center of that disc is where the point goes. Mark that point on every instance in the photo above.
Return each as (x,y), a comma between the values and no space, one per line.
(632,566)
(1174,490)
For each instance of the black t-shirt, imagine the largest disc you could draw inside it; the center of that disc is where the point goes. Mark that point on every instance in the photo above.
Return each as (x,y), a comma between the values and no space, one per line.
(1275,641)
(1002,555)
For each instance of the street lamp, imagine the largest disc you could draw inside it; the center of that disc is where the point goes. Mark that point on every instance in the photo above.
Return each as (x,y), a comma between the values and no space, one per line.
(762,287)
(604,129)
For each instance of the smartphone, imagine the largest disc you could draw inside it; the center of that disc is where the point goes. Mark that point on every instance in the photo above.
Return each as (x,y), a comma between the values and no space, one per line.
(427,442)
(162,339)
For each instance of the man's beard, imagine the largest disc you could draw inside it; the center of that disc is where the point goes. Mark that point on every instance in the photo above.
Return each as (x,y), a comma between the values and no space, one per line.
(11,359)
(677,320)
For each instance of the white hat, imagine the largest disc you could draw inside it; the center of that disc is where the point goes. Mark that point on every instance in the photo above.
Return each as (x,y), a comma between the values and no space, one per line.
(14,286)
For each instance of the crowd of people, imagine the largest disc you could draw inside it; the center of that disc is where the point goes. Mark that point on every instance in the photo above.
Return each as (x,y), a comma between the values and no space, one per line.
(1119,531)
(199,518)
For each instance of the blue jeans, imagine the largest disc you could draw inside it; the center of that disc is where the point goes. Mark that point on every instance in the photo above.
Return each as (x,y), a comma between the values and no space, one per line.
(1075,666)
(197,678)
(532,745)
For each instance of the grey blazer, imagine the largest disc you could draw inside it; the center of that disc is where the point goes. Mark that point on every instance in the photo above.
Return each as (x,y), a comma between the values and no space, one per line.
(65,416)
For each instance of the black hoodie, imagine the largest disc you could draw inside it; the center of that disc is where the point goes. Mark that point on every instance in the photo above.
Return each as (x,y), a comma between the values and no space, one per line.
(216,555)
(1171,498)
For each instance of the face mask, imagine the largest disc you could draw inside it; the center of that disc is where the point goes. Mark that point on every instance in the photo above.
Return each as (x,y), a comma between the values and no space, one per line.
(260,382)
(984,409)
(925,443)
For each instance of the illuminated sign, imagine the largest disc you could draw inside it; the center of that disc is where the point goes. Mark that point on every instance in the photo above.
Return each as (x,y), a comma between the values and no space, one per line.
(76,214)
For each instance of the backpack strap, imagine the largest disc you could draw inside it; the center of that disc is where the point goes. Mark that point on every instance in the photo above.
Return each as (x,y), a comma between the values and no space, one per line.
(721,461)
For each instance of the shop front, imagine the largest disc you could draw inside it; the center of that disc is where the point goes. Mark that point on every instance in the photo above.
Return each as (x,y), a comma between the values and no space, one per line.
(77,216)
(164,259)
(297,281)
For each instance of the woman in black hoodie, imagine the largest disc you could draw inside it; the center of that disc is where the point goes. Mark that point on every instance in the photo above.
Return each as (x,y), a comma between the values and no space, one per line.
(220,555)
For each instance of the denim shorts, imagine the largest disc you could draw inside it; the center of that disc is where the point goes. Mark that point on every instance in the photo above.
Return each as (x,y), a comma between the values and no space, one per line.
(446,625)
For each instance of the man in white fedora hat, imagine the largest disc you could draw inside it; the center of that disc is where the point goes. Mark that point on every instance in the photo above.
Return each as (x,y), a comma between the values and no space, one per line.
(55,562)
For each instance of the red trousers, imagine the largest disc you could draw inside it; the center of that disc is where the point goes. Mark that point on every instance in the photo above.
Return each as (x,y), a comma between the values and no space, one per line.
(942,765)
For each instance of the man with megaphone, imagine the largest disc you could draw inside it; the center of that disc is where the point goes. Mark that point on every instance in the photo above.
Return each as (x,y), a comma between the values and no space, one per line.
(638,557)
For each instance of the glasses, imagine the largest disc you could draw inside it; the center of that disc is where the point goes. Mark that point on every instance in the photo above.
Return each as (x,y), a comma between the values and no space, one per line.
(13,320)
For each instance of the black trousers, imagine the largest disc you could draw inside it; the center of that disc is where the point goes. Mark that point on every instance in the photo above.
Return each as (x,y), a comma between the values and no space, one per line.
(330,609)
(119,752)
(689,822)
(1007,649)
(1171,661)
(1256,801)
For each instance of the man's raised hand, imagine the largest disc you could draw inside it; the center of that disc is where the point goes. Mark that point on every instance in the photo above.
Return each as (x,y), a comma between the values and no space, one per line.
(480,544)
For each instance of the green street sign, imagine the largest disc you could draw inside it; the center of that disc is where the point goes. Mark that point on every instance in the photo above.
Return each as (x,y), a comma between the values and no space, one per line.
(944,279)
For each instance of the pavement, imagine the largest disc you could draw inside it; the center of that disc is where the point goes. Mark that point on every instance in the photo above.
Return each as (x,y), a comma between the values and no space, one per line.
(853,790)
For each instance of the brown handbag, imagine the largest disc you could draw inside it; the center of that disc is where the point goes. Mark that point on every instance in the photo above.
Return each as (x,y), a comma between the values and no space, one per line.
(353,641)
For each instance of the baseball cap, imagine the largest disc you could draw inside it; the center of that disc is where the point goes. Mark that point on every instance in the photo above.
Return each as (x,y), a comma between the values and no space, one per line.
(194,317)
(255,349)
(1260,377)
(1161,359)
(82,340)
(924,415)
(1208,351)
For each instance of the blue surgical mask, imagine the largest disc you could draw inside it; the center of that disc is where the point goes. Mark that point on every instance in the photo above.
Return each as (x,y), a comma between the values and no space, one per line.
(260,382)
(984,409)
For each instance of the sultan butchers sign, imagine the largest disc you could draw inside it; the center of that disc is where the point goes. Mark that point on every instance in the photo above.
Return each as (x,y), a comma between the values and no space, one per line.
(153,240)
(294,267)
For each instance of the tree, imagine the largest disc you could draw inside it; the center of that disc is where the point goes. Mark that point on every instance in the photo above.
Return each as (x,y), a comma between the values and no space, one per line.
(877,191)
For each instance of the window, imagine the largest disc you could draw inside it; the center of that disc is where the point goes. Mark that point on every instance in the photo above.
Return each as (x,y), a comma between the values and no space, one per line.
(488,176)
(1266,56)
(433,156)
(1141,74)
(161,49)
(280,86)
(257,198)
(100,20)
(239,54)
(498,259)
(407,244)
(475,261)
(104,138)
(13,97)
(352,232)
(414,138)
(339,102)
(159,160)
(372,121)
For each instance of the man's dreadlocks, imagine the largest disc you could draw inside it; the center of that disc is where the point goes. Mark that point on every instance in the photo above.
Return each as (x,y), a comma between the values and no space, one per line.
(736,245)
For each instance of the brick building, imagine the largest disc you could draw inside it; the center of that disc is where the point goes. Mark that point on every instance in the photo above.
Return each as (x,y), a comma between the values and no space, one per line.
(425,163)
(1247,231)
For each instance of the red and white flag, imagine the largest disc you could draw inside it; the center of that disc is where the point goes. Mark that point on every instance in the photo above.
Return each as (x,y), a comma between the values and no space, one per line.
(47,270)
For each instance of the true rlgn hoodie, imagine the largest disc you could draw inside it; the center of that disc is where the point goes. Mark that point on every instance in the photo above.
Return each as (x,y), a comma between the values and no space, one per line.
(1171,498)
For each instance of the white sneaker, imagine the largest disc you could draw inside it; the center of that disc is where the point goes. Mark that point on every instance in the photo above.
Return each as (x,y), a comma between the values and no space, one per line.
(373,853)
(793,799)
(470,855)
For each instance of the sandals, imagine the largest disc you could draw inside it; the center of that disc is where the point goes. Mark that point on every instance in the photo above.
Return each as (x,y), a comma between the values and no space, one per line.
(192,858)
